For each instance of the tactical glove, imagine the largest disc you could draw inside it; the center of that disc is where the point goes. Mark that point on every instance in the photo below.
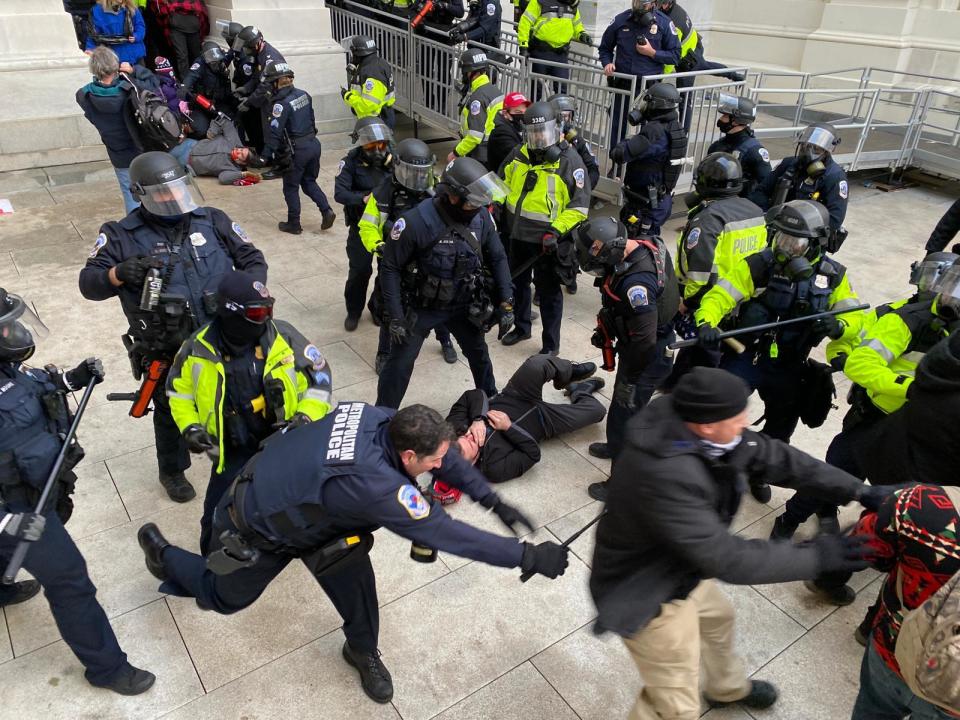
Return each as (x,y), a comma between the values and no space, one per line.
(133,271)
(398,332)
(510,516)
(507,318)
(25,526)
(829,326)
(198,440)
(298,420)
(841,553)
(617,154)
(90,370)
(547,558)
(585,38)
(708,336)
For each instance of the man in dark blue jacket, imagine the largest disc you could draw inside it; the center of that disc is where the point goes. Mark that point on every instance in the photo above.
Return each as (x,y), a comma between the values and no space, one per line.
(106,104)
(641,41)
(317,493)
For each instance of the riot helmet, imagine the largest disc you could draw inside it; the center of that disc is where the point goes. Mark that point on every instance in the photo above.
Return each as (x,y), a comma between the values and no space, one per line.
(248,40)
(925,273)
(469,180)
(816,142)
(718,175)
(244,307)
(20,328)
(601,244)
(413,165)
(799,228)
(947,288)
(230,32)
(207,44)
(214,58)
(276,70)
(373,137)
(666,5)
(362,46)
(739,111)
(644,11)
(161,184)
(660,98)
(540,126)
(566,109)
(470,62)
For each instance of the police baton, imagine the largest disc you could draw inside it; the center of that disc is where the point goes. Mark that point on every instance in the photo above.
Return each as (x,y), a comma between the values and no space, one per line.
(772,325)
(566,543)
(13,567)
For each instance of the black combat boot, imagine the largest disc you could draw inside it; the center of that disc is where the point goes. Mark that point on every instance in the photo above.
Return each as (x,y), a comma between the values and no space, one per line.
(374,676)
(290,227)
(178,487)
(153,543)
(128,681)
(19,592)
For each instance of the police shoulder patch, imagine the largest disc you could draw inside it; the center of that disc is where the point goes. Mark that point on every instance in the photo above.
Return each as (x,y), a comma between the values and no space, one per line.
(312,353)
(261,289)
(693,237)
(844,189)
(475,107)
(673,29)
(195,66)
(277,109)
(411,499)
(579,177)
(247,69)
(654,29)
(368,85)
(764,155)
(240,232)
(397,228)
(637,295)
(98,243)
(491,9)
(340,166)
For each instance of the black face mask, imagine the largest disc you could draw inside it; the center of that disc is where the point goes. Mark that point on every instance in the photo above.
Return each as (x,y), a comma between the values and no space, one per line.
(457,212)
(375,157)
(725,125)
(692,199)
(238,332)
(517,122)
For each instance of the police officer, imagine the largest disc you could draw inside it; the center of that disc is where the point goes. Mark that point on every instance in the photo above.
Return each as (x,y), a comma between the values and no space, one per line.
(791,278)
(292,139)
(170,242)
(545,31)
(238,378)
(410,184)
(443,249)
(810,175)
(372,91)
(317,493)
(208,76)
(641,41)
(549,196)
(653,158)
(254,95)
(363,169)
(242,64)
(736,116)
(482,24)
(480,103)
(639,298)
(722,228)
(566,109)
(33,420)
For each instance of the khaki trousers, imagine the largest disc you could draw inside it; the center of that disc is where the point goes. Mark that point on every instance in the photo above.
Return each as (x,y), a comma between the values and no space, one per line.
(669,652)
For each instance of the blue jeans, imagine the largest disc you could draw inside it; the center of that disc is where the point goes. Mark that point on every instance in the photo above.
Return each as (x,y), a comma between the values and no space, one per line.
(123,180)
(884,696)
(182,151)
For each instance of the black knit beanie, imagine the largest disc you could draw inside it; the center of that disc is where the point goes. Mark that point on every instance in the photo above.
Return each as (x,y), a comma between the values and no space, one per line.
(707,395)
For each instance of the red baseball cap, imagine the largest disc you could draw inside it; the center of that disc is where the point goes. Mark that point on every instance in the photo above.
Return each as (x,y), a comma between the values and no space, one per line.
(514,100)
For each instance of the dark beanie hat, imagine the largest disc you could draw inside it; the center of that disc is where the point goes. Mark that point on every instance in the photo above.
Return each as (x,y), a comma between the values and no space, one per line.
(707,395)
(241,288)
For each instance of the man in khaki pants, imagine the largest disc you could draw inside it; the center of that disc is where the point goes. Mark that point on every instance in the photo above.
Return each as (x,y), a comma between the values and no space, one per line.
(673,493)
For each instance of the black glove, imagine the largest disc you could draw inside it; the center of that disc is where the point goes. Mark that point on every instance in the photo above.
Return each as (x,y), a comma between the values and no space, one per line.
(585,38)
(838,362)
(182,93)
(510,516)
(524,52)
(547,558)
(617,154)
(133,271)
(90,370)
(25,526)
(829,326)
(841,553)
(872,496)
(398,332)
(708,336)
(548,242)
(198,440)
(457,35)
(597,339)
(623,394)
(506,318)
(298,420)
(343,93)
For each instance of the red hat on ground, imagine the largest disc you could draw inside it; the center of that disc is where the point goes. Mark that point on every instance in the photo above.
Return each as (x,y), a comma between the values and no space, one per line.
(515,100)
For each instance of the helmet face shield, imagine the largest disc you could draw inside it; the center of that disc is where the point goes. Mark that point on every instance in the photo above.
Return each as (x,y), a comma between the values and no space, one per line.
(20,329)
(486,190)
(948,287)
(541,135)
(643,5)
(169,199)
(377,132)
(817,139)
(926,273)
(790,246)
(418,178)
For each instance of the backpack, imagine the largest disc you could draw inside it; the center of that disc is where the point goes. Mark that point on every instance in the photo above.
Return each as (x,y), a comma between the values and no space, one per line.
(160,128)
(928,646)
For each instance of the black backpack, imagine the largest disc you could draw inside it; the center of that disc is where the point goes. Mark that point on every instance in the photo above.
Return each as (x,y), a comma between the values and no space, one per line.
(160,128)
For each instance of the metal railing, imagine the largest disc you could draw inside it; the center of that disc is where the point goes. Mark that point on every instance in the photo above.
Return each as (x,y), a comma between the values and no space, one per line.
(887,118)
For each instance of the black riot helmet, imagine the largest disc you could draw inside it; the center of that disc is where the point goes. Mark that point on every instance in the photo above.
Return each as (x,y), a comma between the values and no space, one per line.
(800,228)
(566,109)
(540,129)
(373,136)
(247,40)
(413,165)
(163,187)
(276,70)
(666,5)
(927,272)
(361,46)
(230,32)
(816,142)
(658,99)
(601,244)
(718,175)
(207,44)
(469,180)
(947,288)
(20,328)
(214,58)
(644,11)
(470,62)
(739,110)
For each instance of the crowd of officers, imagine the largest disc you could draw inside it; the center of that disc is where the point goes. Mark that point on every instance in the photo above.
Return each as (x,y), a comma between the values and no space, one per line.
(296,475)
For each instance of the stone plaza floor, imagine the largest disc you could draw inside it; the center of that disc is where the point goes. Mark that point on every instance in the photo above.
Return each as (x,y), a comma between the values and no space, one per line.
(462,639)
